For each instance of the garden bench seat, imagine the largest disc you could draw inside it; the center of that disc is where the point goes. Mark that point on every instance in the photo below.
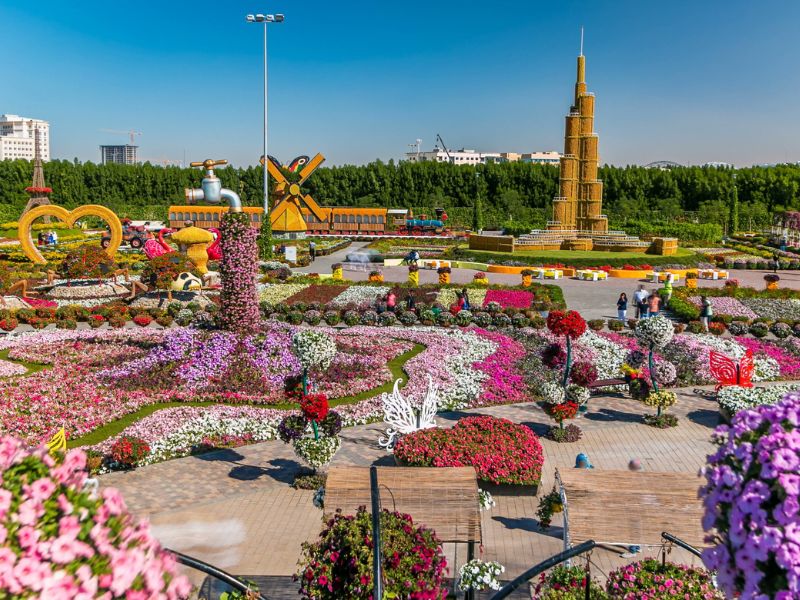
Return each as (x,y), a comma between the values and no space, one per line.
(606,383)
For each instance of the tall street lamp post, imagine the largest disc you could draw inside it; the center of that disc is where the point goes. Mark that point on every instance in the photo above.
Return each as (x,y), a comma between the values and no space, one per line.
(265,19)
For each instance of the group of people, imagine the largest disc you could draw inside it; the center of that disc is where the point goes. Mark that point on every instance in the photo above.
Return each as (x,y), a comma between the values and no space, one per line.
(47,238)
(646,304)
(411,258)
(390,303)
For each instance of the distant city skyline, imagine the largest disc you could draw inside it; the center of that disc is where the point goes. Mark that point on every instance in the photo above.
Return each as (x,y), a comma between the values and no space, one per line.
(686,82)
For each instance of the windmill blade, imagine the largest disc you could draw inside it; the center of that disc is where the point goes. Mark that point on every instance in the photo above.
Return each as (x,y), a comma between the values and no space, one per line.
(314,207)
(276,173)
(310,168)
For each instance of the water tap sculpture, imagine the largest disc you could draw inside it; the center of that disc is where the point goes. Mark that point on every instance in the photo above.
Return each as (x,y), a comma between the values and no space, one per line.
(211,189)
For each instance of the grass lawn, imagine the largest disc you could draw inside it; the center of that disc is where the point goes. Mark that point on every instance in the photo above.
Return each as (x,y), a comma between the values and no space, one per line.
(14,233)
(566,255)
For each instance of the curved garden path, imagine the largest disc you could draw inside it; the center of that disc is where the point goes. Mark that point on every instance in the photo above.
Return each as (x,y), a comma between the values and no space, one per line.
(235,508)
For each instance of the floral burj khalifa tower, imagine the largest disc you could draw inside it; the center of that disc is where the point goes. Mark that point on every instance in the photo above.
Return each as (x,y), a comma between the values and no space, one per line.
(579,205)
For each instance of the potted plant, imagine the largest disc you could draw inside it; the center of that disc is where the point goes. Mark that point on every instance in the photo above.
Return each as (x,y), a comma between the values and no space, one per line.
(527,277)
(376,276)
(480,278)
(772,281)
(691,280)
(444,275)
(413,275)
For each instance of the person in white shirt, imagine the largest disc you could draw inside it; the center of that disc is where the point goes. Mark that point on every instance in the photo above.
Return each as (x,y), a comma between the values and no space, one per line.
(640,298)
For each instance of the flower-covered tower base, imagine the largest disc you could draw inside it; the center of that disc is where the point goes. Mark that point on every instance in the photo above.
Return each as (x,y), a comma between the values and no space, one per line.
(239,310)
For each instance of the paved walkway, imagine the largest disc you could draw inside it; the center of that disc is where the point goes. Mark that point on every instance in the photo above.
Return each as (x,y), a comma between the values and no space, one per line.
(235,508)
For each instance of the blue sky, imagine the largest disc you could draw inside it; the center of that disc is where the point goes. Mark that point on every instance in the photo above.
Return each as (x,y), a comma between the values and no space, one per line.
(686,81)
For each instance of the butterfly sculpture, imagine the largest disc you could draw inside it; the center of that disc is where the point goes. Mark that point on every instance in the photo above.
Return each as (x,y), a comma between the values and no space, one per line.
(404,416)
(728,372)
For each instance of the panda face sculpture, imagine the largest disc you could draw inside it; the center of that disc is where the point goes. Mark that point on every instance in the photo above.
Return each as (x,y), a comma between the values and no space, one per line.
(185,282)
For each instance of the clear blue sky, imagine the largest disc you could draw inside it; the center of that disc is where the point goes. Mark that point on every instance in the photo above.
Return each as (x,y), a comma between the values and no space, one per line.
(686,81)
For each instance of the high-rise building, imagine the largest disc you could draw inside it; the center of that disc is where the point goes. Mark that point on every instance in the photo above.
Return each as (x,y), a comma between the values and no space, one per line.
(579,204)
(18,140)
(123,155)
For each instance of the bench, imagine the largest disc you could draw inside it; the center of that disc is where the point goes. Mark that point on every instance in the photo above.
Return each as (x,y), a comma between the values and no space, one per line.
(606,383)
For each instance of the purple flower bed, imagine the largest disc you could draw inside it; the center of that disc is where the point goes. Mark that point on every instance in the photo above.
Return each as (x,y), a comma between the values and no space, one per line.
(726,306)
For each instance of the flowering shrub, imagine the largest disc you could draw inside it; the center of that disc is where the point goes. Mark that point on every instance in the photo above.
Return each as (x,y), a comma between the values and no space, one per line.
(583,373)
(501,451)
(570,324)
(64,542)
(554,357)
(661,400)
(751,496)
(650,579)
(485,500)
(577,394)
(564,435)
(314,407)
(655,332)
(339,564)
(567,583)
(161,271)
(478,575)
(314,349)
(552,393)
(561,412)
(129,451)
(143,320)
(316,452)
(238,270)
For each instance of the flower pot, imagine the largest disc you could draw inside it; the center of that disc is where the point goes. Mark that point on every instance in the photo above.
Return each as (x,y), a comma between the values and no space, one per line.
(527,280)
(337,273)
(583,408)
(691,284)
(509,489)
(444,278)
(772,285)
(413,278)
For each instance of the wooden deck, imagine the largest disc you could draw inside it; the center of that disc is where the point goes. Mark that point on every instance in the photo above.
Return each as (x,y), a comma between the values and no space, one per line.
(443,499)
(631,507)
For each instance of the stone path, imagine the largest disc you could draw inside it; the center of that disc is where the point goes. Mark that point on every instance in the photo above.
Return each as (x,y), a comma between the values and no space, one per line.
(235,508)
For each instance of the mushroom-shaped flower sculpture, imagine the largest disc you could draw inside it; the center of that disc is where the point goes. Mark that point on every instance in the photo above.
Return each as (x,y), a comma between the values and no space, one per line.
(196,240)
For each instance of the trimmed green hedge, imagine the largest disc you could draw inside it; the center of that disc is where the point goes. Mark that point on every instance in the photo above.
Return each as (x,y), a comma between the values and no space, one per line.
(652,260)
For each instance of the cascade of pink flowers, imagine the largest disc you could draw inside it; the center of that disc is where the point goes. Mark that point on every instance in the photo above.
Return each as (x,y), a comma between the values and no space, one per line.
(238,269)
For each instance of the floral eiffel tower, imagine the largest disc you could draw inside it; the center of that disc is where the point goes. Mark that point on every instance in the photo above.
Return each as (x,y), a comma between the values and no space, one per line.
(39,193)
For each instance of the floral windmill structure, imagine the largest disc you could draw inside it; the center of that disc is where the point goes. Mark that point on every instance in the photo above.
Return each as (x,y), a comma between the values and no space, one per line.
(289,199)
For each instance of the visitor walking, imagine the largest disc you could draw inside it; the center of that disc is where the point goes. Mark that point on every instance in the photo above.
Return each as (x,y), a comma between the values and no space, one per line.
(622,307)
(706,312)
(668,288)
(312,250)
(775,262)
(640,298)
(467,305)
(653,305)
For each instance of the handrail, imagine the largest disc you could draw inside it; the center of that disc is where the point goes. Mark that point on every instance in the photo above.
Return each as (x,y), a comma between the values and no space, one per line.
(375,500)
(679,542)
(214,572)
(543,566)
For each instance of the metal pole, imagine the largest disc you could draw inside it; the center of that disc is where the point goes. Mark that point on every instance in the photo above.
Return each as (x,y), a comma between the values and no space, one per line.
(266,179)
(377,589)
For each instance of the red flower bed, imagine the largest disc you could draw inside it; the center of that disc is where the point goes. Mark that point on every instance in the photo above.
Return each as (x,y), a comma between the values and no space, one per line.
(128,451)
(501,451)
(569,323)
(143,320)
(316,293)
(41,303)
(506,298)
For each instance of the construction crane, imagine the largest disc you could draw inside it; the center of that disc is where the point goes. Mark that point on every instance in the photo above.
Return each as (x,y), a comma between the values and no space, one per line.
(446,151)
(131,132)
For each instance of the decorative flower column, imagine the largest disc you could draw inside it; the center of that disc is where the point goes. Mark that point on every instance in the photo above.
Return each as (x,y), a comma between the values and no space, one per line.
(772,281)
(314,349)
(571,325)
(413,275)
(444,275)
(527,277)
(655,333)
(238,270)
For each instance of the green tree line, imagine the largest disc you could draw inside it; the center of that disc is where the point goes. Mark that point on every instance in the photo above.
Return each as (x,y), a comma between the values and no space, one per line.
(519,192)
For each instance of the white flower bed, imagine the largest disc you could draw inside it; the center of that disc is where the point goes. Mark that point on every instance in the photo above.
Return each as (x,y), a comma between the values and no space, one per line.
(774,308)
(97,290)
(361,295)
(479,575)
(609,356)
(278,292)
(734,398)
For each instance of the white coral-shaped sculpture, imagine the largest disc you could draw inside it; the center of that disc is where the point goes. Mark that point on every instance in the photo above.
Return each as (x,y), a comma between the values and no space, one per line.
(403,417)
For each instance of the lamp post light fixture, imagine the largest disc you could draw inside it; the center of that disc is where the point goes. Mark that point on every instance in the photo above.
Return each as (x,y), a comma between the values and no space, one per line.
(265,19)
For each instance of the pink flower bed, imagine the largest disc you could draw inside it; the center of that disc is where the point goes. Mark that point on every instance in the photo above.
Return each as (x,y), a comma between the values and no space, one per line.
(500,367)
(789,363)
(509,298)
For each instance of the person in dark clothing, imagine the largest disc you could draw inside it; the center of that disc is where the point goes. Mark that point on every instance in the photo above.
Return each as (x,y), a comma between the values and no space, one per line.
(467,305)
(775,263)
(411,302)
(622,307)
(312,250)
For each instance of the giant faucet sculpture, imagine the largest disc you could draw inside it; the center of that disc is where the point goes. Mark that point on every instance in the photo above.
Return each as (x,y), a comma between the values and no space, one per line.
(211,189)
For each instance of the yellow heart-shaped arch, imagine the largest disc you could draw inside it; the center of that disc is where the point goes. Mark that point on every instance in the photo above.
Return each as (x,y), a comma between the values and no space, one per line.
(69,217)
